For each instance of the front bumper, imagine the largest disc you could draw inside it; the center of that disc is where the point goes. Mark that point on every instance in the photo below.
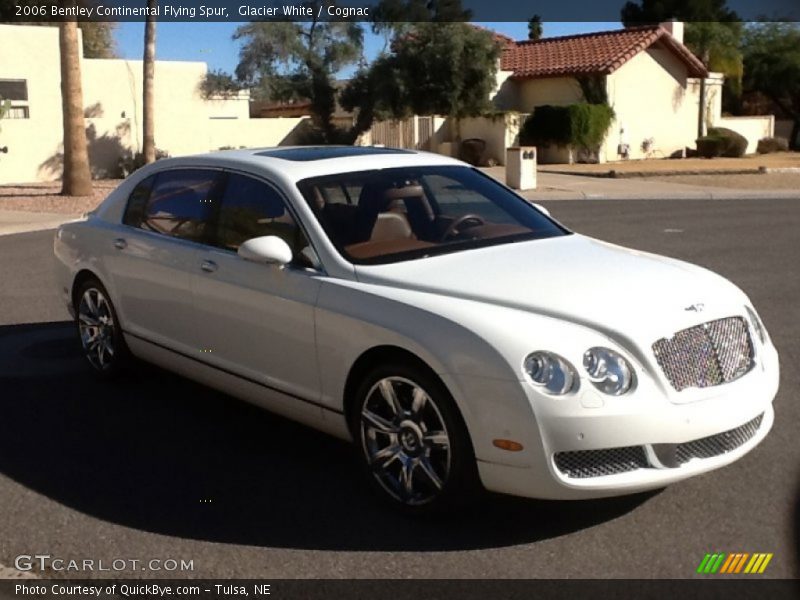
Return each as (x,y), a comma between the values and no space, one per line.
(591,449)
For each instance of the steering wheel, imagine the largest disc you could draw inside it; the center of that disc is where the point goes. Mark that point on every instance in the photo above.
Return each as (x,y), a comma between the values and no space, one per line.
(453,227)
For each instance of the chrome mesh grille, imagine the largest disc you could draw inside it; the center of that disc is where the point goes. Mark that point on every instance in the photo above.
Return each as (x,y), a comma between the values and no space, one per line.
(720,443)
(581,464)
(706,355)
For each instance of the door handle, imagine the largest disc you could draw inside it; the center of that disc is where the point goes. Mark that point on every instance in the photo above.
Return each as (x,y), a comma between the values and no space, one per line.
(209,266)
(120,244)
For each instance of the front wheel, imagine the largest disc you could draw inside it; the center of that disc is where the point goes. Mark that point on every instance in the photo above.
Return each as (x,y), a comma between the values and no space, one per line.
(413,440)
(99,330)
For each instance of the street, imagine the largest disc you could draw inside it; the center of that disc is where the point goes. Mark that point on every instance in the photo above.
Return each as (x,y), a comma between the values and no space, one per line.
(156,467)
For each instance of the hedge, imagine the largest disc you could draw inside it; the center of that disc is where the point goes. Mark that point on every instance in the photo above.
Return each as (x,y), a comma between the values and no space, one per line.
(772,144)
(579,125)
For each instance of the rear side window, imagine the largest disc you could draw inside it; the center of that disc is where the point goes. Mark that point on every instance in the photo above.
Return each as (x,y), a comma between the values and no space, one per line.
(176,203)
(137,202)
(250,209)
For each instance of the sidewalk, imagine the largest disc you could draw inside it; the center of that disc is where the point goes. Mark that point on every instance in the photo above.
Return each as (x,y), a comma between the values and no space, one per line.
(17,221)
(556,186)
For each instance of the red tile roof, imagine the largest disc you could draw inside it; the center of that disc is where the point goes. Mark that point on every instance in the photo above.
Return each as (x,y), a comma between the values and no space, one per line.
(599,53)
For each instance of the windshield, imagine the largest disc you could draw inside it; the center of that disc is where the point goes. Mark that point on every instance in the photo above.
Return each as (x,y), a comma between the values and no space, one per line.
(389,215)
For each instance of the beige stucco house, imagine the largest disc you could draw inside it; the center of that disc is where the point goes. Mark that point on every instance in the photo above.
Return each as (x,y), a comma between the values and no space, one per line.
(185,122)
(652,81)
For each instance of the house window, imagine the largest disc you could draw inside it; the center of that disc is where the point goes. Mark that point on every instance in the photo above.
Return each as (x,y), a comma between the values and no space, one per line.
(15,90)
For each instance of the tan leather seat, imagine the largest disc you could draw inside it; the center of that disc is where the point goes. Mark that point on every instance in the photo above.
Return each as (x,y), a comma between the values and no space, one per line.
(391,226)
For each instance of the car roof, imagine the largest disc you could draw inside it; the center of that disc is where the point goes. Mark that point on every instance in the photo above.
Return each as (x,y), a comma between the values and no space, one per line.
(301,162)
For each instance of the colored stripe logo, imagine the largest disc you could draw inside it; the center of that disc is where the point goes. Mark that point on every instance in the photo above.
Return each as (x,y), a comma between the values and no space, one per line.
(734,563)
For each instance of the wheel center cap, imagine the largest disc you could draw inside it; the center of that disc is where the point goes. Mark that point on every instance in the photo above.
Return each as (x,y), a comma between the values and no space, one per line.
(410,437)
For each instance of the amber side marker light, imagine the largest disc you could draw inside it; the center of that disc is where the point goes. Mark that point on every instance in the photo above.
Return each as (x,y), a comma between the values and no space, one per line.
(509,445)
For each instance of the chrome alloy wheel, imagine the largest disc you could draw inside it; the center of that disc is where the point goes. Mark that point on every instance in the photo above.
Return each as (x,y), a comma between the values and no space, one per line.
(405,441)
(97,329)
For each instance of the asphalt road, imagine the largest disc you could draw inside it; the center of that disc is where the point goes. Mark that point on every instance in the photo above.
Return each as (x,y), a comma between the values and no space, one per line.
(158,467)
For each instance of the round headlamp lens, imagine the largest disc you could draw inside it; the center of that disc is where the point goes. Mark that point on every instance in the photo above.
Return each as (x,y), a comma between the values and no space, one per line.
(608,371)
(554,373)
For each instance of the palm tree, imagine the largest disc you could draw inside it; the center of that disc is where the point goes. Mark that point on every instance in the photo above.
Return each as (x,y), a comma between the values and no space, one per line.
(716,44)
(77,179)
(149,148)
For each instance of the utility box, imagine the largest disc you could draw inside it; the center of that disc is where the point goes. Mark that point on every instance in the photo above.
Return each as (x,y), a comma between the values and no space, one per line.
(521,168)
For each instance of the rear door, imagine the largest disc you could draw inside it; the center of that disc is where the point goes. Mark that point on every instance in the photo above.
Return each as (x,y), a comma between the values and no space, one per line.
(168,219)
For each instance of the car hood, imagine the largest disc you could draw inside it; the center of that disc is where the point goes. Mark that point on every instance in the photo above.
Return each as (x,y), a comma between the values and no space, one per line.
(623,293)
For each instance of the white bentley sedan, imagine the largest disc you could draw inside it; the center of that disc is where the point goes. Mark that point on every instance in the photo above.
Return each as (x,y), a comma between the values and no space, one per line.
(457,334)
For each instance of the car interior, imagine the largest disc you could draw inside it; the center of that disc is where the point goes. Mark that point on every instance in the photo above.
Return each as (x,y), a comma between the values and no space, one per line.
(383,216)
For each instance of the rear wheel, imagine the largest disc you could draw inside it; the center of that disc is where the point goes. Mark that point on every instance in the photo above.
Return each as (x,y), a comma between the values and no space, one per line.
(99,331)
(413,441)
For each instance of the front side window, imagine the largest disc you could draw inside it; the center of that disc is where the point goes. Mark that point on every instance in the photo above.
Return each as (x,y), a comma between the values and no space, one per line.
(179,203)
(252,208)
(389,215)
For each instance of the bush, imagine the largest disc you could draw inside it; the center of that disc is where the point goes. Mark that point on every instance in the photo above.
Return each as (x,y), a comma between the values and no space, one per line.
(130,162)
(709,146)
(772,144)
(579,125)
(734,145)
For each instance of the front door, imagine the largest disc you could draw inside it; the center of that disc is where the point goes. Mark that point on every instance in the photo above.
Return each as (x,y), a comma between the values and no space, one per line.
(257,320)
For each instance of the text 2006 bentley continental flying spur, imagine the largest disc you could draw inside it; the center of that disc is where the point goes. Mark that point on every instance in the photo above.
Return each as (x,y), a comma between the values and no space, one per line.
(456,333)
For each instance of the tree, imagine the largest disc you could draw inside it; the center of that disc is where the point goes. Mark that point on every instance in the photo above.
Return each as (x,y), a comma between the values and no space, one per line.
(148,76)
(535,28)
(433,68)
(298,60)
(772,67)
(77,179)
(651,12)
(98,39)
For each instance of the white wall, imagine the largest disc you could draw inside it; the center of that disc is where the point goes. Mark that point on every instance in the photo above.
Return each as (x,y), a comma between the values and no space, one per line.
(253,133)
(752,128)
(185,122)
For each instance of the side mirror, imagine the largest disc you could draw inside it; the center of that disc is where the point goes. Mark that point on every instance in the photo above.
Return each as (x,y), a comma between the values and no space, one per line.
(268,249)
(541,208)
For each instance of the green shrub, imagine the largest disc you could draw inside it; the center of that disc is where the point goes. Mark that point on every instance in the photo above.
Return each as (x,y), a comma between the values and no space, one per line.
(710,146)
(579,125)
(772,144)
(734,145)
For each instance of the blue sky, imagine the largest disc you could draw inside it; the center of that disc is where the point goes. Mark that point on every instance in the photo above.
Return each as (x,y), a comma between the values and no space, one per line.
(211,42)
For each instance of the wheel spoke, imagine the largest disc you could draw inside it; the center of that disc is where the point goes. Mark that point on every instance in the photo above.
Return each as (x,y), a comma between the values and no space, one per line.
(407,478)
(388,393)
(418,401)
(427,468)
(377,422)
(91,306)
(387,455)
(437,438)
(87,320)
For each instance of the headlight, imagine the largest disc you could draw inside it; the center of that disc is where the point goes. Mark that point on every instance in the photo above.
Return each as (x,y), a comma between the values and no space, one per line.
(608,371)
(757,325)
(552,372)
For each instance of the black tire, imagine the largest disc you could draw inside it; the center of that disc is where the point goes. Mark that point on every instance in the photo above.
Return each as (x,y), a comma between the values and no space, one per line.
(110,356)
(413,449)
